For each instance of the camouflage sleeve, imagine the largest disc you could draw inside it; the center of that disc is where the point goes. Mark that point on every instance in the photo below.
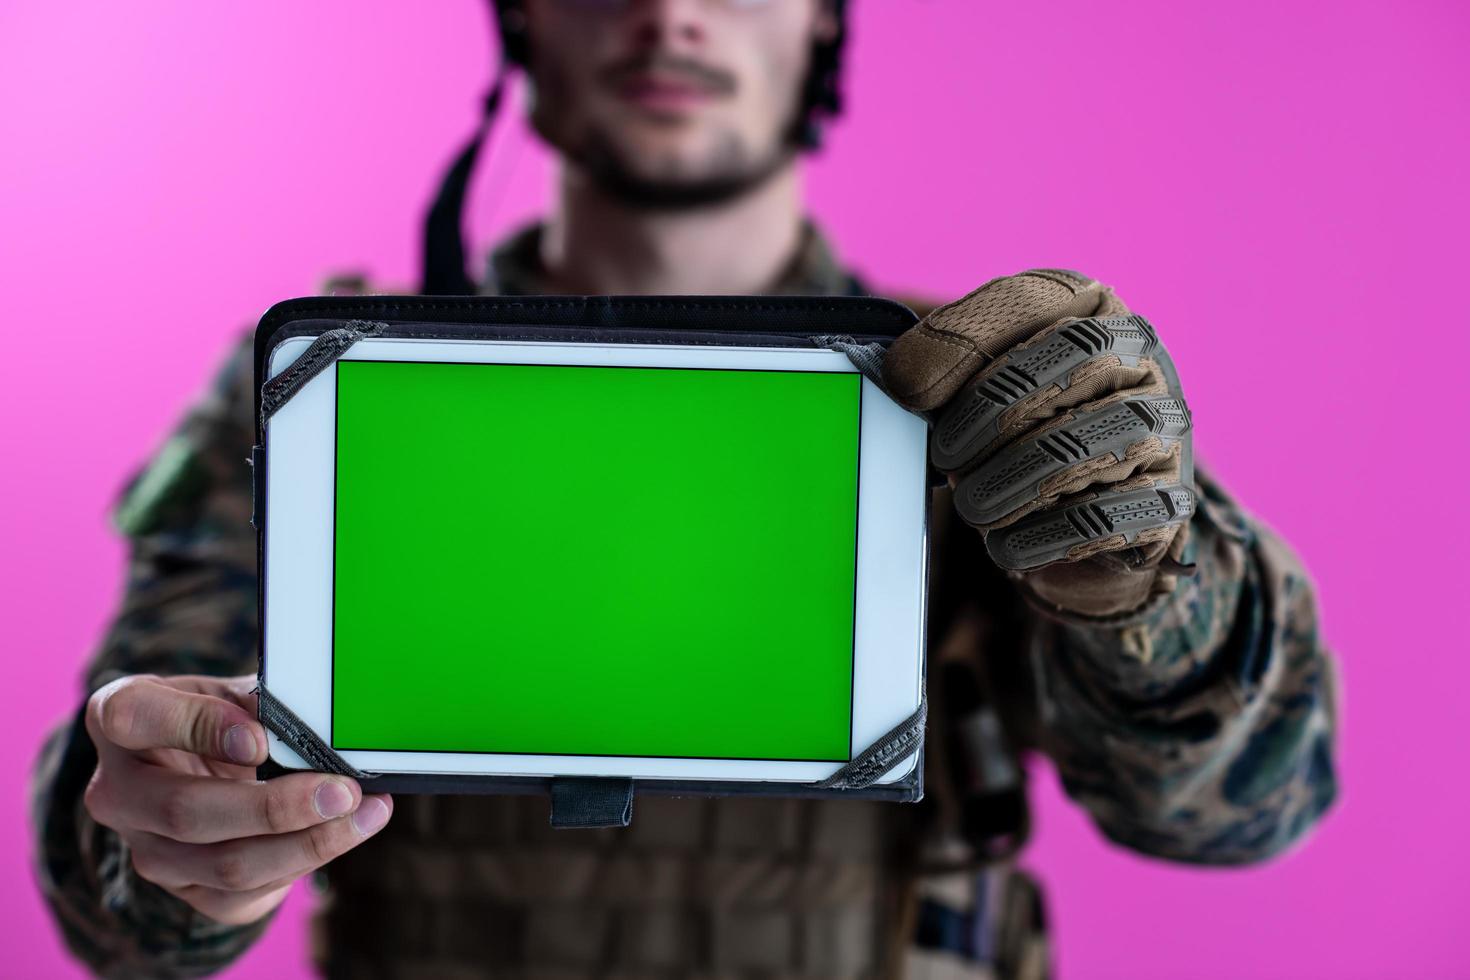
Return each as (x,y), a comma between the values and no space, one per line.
(1201,728)
(188,607)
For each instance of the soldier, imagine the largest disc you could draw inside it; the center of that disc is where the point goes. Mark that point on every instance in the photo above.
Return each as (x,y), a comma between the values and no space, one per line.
(1178,681)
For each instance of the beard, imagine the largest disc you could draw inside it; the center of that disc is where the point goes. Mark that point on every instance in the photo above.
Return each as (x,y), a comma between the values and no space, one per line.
(729,170)
(729,173)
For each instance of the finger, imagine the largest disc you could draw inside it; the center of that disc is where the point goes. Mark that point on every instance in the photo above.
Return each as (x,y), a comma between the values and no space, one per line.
(1074,362)
(144,712)
(1101,445)
(203,809)
(929,363)
(239,689)
(1108,522)
(252,863)
(234,908)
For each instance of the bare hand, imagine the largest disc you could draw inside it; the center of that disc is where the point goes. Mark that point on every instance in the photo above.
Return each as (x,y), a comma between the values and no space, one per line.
(175,779)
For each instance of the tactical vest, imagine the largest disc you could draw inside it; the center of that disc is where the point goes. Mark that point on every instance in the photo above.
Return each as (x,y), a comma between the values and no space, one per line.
(696,887)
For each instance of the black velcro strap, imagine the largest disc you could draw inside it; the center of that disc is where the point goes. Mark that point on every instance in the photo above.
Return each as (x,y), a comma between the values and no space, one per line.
(867,358)
(591,802)
(289,728)
(895,745)
(322,354)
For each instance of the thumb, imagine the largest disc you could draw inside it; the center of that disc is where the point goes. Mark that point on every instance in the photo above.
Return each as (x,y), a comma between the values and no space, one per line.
(144,712)
(931,362)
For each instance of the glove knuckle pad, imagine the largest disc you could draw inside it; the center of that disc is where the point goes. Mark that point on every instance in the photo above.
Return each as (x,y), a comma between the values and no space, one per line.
(974,419)
(1015,475)
(1059,535)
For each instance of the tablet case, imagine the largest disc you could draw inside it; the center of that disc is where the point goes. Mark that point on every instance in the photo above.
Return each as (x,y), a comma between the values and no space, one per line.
(861,327)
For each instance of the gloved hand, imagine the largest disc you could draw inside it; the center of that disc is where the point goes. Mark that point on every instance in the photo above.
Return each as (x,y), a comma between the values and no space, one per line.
(1058,418)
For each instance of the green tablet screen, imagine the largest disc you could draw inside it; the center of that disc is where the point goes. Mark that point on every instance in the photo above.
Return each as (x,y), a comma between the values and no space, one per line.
(594,560)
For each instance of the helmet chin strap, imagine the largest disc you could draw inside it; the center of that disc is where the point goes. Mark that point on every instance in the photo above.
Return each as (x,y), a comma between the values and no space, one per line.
(444,271)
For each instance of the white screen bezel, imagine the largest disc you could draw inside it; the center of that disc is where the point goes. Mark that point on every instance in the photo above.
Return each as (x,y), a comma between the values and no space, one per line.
(298,555)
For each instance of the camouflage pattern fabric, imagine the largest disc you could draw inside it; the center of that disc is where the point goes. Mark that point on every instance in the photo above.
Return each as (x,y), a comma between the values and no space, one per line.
(1197,729)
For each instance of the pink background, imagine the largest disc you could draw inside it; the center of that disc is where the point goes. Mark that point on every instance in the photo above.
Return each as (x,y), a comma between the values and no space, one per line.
(1280,187)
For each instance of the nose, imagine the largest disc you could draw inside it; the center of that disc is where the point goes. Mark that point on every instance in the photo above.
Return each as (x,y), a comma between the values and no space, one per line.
(677,25)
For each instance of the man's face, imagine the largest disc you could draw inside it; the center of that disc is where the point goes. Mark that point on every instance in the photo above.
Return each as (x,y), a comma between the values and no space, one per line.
(671,101)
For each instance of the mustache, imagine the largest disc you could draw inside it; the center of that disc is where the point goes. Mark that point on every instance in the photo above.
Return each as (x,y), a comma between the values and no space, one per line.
(707,77)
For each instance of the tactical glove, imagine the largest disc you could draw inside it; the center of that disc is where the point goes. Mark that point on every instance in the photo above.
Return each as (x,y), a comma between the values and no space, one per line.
(1057,415)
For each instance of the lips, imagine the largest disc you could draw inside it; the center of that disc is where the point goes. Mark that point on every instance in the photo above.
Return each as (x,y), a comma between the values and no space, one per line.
(664,92)
(668,85)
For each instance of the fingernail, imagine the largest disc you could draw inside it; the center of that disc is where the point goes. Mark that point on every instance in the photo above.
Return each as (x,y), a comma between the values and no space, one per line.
(370,817)
(240,744)
(332,799)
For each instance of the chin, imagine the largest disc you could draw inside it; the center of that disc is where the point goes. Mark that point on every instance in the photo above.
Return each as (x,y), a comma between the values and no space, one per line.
(658,137)
(690,165)
(672,160)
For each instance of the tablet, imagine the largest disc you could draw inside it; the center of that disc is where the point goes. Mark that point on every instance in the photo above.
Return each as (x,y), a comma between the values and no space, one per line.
(536,558)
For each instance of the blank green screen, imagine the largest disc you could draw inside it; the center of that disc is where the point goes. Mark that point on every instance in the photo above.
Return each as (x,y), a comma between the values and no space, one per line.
(594,561)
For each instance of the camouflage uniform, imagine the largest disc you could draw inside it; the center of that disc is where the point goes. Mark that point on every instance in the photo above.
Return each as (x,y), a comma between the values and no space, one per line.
(1197,729)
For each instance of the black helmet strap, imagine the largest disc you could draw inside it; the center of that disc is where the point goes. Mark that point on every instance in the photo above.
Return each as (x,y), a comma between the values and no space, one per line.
(445,272)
